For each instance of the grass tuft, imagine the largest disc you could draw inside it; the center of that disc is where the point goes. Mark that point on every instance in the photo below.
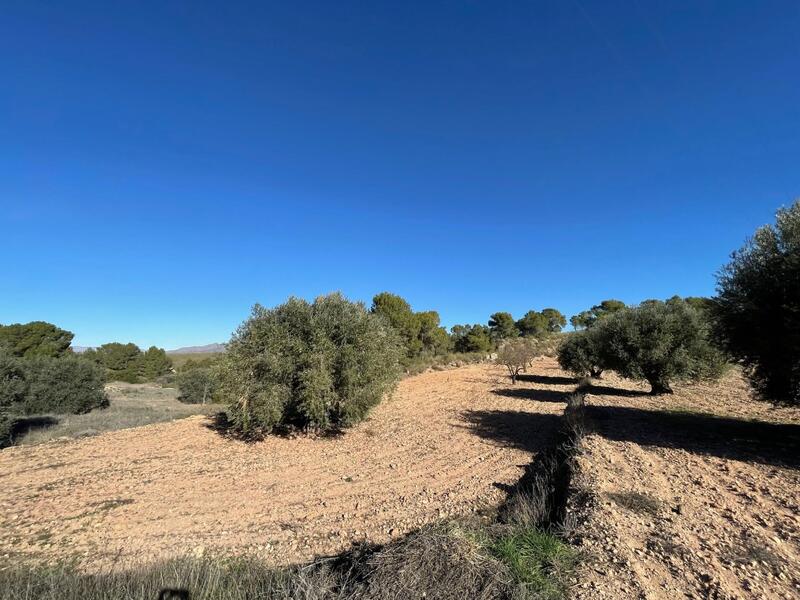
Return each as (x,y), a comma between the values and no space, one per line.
(537,559)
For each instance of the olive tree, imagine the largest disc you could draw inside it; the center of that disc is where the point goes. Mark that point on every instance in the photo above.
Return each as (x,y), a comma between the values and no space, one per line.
(579,353)
(516,355)
(756,312)
(317,365)
(657,342)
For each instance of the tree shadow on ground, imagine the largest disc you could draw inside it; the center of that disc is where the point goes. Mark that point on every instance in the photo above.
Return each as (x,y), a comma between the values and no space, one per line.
(531,432)
(24,425)
(606,390)
(548,379)
(533,394)
(752,441)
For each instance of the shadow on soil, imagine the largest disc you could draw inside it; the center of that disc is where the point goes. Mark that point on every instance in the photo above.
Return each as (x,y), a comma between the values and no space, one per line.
(606,390)
(532,394)
(523,430)
(754,441)
(23,425)
(548,379)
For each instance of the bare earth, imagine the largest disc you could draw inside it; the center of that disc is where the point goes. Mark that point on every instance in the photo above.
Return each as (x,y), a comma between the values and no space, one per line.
(444,444)
(720,517)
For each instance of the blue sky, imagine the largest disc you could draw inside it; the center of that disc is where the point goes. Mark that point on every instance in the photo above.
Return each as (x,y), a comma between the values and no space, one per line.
(165,165)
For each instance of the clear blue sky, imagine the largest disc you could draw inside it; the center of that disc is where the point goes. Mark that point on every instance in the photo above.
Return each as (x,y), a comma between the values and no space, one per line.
(165,165)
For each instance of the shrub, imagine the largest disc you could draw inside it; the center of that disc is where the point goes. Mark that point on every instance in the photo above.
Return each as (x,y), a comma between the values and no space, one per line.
(6,429)
(35,339)
(579,353)
(197,386)
(63,385)
(314,366)
(516,355)
(757,308)
(13,381)
(658,342)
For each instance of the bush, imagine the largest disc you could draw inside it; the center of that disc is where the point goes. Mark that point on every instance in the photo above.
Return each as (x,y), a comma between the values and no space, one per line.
(579,353)
(313,366)
(13,381)
(63,385)
(197,386)
(516,355)
(6,430)
(658,342)
(757,309)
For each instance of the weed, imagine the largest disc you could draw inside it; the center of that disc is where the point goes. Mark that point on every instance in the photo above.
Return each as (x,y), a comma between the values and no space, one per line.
(636,502)
(537,559)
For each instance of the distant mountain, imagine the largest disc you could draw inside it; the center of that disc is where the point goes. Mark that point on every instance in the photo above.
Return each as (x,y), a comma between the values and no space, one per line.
(80,349)
(199,349)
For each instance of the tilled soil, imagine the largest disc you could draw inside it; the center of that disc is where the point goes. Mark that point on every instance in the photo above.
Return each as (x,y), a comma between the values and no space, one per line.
(693,495)
(446,443)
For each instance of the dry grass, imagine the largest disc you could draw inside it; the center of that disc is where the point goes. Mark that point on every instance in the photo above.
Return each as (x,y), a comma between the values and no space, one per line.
(132,405)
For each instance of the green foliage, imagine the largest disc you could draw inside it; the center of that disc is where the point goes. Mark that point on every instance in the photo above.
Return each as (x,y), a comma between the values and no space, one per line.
(153,363)
(13,380)
(63,385)
(35,339)
(471,338)
(421,332)
(502,326)
(121,361)
(537,559)
(555,320)
(658,342)
(587,318)
(533,324)
(315,366)
(757,308)
(6,429)
(579,353)
(197,386)
(126,362)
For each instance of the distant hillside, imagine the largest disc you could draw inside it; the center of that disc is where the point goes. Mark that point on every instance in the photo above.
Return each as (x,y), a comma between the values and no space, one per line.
(80,349)
(208,348)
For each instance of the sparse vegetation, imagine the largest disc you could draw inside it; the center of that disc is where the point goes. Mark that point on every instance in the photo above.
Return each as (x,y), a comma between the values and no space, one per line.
(757,309)
(310,366)
(130,405)
(636,502)
(516,355)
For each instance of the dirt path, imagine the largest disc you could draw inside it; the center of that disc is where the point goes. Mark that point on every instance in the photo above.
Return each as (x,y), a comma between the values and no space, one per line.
(444,444)
(695,495)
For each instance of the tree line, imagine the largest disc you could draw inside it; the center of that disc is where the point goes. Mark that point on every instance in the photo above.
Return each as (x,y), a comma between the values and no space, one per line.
(324,364)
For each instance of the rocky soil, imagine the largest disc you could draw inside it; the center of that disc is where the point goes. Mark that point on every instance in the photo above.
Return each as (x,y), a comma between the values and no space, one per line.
(694,495)
(445,444)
